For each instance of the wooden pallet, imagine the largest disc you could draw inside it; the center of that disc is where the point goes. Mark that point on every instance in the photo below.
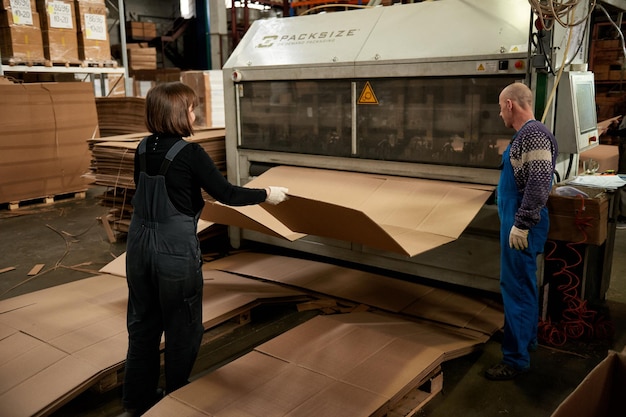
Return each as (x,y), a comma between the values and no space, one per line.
(88,63)
(43,201)
(12,61)
(104,63)
(418,397)
(64,63)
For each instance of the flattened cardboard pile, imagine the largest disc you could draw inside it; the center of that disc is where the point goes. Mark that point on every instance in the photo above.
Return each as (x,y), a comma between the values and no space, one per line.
(113,156)
(121,115)
(56,343)
(42,146)
(356,364)
(385,293)
(112,165)
(403,215)
(59,341)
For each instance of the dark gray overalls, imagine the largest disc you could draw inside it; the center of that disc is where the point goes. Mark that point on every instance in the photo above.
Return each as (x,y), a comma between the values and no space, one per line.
(164,272)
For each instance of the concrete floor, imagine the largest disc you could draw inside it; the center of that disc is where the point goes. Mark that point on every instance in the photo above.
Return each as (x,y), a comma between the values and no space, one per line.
(68,239)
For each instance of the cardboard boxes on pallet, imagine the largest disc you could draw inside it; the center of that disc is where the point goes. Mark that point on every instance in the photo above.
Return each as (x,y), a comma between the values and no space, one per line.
(58,26)
(20,32)
(93,34)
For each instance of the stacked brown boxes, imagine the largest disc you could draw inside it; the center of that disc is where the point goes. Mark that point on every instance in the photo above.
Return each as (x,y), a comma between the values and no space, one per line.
(141,56)
(141,31)
(93,34)
(58,26)
(20,32)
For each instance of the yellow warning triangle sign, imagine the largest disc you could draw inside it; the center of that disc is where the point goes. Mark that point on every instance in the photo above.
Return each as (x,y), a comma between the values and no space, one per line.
(367,95)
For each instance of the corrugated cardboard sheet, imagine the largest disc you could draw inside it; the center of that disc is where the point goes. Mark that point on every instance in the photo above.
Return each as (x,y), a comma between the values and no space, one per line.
(601,393)
(59,341)
(403,215)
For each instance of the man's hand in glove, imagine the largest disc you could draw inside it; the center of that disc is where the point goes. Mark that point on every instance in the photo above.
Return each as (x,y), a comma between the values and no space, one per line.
(518,238)
(276,195)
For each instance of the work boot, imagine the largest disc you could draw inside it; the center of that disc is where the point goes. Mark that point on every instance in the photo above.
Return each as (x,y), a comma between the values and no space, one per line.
(503,372)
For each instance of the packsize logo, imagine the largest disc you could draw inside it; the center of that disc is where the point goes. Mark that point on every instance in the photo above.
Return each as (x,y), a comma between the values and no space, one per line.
(307,37)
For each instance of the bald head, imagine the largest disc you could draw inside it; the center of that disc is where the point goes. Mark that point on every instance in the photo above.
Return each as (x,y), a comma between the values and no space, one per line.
(520,94)
(516,105)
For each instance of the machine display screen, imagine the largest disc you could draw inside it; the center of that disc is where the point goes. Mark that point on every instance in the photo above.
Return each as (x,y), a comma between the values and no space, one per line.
(440,120)
(584,103)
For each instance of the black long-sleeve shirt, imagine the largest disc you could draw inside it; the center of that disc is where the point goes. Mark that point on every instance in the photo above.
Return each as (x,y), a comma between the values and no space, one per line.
(193,170)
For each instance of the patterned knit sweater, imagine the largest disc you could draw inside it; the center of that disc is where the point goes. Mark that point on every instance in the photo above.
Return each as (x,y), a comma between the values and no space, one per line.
(533,157)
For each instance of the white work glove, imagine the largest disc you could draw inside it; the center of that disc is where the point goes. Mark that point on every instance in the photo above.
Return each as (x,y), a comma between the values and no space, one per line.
(518,238)
(276,195)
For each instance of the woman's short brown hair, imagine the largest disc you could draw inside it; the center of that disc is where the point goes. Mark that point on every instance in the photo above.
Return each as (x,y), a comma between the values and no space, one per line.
(167,109)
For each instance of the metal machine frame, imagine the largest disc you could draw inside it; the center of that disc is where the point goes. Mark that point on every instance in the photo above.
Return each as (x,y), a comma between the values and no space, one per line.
(415,41)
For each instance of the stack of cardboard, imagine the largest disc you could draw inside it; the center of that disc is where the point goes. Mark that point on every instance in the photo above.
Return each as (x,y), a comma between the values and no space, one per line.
(93,33)
(112,166)
(209,87)
(43,149)
(20,32)
(141,56)
(120,115)
(60,341)
(356,364)
(58,26)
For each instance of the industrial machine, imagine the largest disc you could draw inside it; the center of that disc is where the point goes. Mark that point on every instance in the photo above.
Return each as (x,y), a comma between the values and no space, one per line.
(407,90)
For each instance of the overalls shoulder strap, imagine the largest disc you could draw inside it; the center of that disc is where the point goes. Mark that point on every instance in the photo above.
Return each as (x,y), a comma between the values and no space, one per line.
(141,151)
(171,154)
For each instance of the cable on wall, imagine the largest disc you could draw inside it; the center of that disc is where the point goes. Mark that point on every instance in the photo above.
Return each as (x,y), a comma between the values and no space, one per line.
(550,11)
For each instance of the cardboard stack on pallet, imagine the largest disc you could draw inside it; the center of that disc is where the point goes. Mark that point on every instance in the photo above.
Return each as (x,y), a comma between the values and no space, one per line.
(93,35)
(120,115)
(20,32)
(58,26)
(43,149)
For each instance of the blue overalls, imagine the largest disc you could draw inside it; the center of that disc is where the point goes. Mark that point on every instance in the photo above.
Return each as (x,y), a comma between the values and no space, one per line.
(164,273)
(518,272)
